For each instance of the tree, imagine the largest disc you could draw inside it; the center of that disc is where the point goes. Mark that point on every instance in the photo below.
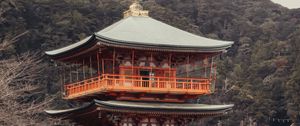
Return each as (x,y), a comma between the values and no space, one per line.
(20,99)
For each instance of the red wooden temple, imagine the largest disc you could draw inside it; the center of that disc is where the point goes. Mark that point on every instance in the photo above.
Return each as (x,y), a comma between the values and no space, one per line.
(139,72)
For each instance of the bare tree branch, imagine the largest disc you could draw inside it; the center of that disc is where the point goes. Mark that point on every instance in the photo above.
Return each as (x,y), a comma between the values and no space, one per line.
(19,83)
(5,44)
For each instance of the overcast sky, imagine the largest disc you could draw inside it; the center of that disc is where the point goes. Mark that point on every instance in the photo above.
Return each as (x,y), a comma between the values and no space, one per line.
(288,3)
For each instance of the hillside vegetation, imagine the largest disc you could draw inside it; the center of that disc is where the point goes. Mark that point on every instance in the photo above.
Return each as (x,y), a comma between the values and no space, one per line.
(260,74)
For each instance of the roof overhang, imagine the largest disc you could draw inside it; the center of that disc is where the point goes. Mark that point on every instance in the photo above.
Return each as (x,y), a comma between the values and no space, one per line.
(86,45)
(145,33)
(178,109)
(158,47)
(98,40)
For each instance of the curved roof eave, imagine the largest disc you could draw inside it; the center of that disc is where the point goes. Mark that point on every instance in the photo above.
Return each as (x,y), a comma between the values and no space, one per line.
(164,106)
(144,106)
(71,47)
(164,47)
(137,30)
(119,43)
(67,111)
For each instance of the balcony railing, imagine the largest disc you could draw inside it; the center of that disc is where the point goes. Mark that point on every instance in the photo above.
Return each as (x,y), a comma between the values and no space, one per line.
(143,84)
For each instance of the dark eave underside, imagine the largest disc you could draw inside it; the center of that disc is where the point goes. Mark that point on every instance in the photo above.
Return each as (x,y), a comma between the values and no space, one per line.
(146,108)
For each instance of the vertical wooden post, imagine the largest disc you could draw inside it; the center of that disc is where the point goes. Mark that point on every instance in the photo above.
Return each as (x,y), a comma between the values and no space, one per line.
(200,66)
(186,68)
(132,62)
(102,66)
(151,61)
(64,73)
(205,66)
(215,79)
(98,64)
(114,60)
(91,67)
(151,78)
(70,67)
(170,65)
(77,71)
(215,68)
(61,80)
(211,67)
(83,69)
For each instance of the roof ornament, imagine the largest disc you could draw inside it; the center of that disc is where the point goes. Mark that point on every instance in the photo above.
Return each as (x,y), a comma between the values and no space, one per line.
(136,9)
(136,1)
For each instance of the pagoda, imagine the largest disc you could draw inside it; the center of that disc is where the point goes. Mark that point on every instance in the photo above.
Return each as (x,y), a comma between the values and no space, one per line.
(139,72)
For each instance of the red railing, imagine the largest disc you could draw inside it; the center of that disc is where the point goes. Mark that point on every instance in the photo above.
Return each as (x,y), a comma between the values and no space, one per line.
(145,84)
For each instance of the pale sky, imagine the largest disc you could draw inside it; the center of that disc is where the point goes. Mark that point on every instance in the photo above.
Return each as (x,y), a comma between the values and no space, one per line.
(292,4)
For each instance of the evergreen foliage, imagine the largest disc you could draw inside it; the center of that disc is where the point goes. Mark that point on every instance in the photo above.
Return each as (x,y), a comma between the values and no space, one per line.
(261,70)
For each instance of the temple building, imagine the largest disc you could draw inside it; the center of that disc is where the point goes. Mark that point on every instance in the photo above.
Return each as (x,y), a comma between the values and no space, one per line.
(139,72)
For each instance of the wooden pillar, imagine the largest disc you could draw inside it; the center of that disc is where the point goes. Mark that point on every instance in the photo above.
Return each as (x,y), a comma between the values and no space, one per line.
(200,67)
(173,79)
(205,65)
(102,66)
(83,69)
(213,76)
(151,78)
(64,74)
(186,68)
(132,62)
(61,80)
(215,68)
(211,67)
(91,67)
(170,62)
(151,61)
(114,60)
(70,68)
(77,71)
(98,63)
(132,59)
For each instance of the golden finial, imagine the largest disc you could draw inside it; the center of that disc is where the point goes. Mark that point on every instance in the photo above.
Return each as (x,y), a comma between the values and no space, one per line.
(136,1)
(136,9)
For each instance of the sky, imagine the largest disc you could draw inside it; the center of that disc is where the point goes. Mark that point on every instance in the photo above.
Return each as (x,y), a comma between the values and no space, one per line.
(291,4)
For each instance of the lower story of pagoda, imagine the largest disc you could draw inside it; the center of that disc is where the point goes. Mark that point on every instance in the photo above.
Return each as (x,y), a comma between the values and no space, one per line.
(122,113)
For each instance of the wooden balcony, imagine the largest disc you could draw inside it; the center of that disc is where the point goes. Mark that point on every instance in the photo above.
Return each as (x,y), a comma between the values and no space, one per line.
(137,84)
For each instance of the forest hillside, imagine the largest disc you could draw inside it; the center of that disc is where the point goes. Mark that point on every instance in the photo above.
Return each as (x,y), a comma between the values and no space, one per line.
(260,74)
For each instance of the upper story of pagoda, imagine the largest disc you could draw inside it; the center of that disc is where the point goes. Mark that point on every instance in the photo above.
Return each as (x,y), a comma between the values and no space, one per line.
(139,58)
